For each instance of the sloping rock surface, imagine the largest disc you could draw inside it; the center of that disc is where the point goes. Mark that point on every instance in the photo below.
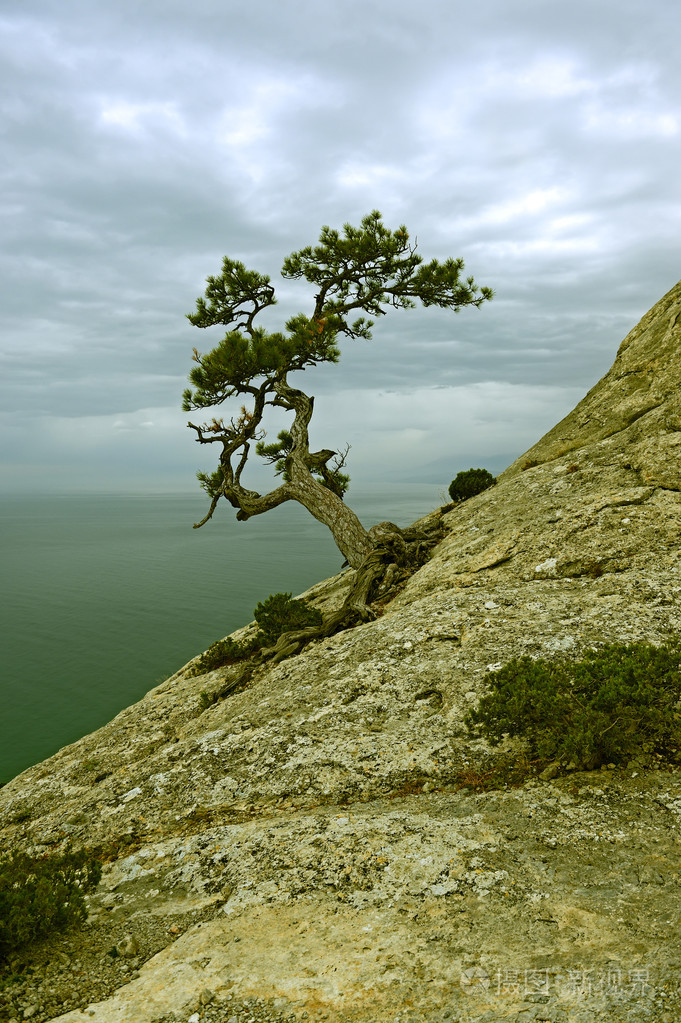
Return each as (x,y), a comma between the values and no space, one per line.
(306,849)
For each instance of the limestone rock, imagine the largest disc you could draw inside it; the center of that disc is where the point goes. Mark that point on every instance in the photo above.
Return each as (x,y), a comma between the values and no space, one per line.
(635,408)
(307,846)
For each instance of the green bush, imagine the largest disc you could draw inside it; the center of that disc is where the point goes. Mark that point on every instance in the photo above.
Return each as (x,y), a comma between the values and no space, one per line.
(225,651)
(42,895)
(279,614)
(275,615)
(469,483)
(616,702)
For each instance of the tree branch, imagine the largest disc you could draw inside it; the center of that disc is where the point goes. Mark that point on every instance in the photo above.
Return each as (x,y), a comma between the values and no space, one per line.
(209,515)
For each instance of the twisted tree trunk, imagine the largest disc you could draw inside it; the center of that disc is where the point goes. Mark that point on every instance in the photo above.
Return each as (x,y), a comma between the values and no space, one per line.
(394,555)
(382,556)
(351,538)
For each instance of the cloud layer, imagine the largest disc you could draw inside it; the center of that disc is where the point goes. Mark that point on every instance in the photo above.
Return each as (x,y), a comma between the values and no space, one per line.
(538,141)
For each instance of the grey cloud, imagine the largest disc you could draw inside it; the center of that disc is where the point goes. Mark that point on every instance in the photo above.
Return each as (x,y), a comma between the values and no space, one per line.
(142,142)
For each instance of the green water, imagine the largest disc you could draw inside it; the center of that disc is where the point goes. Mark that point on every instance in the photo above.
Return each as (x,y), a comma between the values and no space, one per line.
(105,595)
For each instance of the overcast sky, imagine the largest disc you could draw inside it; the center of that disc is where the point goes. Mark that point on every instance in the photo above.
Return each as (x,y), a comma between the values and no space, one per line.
(538,140)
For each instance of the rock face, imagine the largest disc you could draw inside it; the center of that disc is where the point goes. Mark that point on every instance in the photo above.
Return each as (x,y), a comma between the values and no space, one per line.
(635,409)
(305,849)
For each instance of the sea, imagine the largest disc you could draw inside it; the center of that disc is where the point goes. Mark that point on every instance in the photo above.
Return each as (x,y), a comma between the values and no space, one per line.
(106,595)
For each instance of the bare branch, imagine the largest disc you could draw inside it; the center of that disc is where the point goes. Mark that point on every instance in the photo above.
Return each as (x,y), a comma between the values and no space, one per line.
(209,515)
(200,438)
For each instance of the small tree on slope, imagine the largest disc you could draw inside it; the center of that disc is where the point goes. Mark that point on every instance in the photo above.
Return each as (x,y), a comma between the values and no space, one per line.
(364,270)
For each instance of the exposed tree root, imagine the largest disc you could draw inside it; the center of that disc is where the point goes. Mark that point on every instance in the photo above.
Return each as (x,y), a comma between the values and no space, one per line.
(396,554)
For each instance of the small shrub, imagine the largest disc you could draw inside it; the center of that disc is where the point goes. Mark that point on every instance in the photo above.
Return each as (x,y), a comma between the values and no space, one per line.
(616,702)
(225,651)
(468,484)
(42,895)
(205,700)
(275,615)
(279,614)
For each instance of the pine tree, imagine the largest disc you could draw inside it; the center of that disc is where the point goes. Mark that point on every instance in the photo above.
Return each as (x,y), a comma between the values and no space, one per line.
(366,270)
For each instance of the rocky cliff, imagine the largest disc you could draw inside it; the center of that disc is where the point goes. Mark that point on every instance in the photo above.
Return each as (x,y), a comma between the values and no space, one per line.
(306,849)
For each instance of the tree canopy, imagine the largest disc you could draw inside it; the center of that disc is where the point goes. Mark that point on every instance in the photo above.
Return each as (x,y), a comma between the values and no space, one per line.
(358,273)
